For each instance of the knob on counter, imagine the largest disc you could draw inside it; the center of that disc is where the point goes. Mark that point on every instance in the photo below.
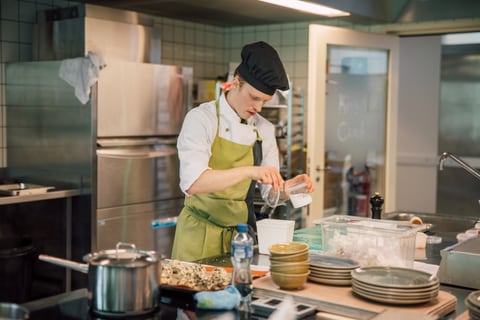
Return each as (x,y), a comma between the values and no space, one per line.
(376,201)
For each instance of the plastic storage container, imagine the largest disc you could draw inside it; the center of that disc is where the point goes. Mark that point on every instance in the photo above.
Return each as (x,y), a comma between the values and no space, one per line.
(270,231)
(369,242)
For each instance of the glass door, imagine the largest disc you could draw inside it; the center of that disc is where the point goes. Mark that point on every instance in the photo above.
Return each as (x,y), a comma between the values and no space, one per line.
(351,108)
(459,123)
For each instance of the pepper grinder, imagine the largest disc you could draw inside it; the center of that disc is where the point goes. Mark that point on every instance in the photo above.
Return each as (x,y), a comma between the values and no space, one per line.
(376,201)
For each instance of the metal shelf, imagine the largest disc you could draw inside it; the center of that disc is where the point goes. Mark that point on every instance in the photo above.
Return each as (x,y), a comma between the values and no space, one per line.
(288,117)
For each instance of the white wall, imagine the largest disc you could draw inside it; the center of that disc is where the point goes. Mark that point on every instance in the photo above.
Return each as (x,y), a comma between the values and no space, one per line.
(419,92)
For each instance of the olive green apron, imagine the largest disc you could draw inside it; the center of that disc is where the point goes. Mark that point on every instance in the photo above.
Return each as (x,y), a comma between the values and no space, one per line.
(207,223)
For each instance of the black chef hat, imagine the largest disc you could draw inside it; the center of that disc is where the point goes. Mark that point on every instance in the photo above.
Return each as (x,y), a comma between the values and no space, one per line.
(261,68)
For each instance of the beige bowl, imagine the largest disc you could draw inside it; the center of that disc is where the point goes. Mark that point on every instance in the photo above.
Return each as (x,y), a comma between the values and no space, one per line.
(297,257)
(289,267)
(289,281)
(282,249)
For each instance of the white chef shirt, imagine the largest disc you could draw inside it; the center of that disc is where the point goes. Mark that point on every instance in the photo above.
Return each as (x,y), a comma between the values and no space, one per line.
(198,132)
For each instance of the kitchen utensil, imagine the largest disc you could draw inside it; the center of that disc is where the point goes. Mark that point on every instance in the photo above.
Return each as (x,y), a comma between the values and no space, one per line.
(120,281)
(297,194)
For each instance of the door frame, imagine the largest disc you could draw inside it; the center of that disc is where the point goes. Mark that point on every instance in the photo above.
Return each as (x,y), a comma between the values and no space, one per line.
(319,38)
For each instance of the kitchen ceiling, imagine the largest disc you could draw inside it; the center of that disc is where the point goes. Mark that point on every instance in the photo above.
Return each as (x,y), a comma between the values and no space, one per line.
(229,13)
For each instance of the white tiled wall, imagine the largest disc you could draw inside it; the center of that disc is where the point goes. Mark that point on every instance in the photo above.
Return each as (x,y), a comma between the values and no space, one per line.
(289,39)
(208,49)
(194,45)
(16,22)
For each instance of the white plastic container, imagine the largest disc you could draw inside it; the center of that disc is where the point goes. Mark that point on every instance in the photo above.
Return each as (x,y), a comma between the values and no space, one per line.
(272,231)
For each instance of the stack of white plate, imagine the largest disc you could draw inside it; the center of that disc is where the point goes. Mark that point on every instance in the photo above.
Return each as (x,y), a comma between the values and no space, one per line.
(394,285)
(331,270)
(473,304)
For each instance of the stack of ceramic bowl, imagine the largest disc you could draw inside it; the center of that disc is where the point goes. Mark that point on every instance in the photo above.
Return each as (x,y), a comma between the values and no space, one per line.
(289,264)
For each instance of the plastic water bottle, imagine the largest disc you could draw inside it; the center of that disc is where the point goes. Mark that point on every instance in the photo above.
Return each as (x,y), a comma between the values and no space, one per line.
(242,254)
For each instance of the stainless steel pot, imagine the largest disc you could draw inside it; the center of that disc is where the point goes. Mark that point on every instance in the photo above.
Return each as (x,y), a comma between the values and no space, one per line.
(120,280)
(12,311)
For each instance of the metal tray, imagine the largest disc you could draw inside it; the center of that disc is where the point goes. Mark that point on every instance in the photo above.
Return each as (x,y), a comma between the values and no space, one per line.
(23,189)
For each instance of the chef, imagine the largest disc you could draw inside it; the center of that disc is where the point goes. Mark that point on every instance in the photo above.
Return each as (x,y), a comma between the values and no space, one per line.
(226,148)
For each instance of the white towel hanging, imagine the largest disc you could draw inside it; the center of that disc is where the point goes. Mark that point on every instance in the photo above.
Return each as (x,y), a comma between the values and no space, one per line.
(81,73)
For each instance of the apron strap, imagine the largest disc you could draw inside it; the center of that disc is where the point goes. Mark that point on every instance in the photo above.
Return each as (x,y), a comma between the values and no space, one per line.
(252,220)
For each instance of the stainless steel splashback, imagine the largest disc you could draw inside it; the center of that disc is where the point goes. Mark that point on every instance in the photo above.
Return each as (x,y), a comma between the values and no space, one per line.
(49,131)
(115,34)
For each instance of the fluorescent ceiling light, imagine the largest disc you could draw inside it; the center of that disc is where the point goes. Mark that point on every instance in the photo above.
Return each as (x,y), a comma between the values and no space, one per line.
(461,38)
(309,7)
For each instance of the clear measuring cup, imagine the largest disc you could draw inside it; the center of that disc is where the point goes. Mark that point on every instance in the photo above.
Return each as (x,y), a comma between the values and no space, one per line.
(296,193)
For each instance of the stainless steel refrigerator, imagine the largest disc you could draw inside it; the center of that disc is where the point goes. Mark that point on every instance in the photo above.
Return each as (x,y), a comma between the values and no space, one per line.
(120,147)
(139,112)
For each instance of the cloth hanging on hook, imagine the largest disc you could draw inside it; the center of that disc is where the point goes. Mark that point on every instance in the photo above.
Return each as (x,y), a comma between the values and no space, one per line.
(81,73)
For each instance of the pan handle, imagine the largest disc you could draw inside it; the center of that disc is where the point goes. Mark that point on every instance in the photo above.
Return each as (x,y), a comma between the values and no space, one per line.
(82,267)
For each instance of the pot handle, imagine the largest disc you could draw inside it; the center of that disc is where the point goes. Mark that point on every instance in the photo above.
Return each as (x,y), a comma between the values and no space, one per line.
(124,244)
(64,263)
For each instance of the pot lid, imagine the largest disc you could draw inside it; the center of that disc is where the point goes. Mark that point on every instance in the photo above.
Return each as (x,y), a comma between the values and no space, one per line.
(130,258)
(121,258)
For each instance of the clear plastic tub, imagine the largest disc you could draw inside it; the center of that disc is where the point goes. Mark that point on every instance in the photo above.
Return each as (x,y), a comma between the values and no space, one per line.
(370,242)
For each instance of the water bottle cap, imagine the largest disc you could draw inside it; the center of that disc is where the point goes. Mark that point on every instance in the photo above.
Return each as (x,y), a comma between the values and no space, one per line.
(242,227)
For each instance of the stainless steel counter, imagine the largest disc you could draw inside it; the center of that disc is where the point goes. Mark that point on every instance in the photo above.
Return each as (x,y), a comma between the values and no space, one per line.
(432,257)
(54,194)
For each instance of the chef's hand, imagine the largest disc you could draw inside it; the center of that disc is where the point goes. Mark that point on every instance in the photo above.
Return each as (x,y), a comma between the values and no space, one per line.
(299,179)
(268,175)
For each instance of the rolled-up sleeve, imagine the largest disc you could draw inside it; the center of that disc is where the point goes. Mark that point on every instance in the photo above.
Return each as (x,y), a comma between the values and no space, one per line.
(194,146)
(269,147)
(269,151)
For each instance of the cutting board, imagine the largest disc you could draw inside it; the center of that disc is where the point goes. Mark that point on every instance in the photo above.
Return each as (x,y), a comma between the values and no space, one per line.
(463,316)
(442,305)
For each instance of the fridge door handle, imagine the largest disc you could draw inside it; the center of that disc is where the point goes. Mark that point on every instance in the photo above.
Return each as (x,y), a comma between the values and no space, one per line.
(164,223)
(129,142)
(136,155)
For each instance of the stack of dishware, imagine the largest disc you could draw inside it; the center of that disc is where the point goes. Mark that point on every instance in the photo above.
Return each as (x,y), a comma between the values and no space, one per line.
(289,264)
(472,301)
(331,270)
(395,285)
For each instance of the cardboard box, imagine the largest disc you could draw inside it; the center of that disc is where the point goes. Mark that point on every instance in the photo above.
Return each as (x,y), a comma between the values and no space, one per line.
(206,90)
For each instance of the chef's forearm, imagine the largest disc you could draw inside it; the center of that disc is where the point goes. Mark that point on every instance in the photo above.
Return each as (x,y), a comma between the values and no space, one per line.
(217,180)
